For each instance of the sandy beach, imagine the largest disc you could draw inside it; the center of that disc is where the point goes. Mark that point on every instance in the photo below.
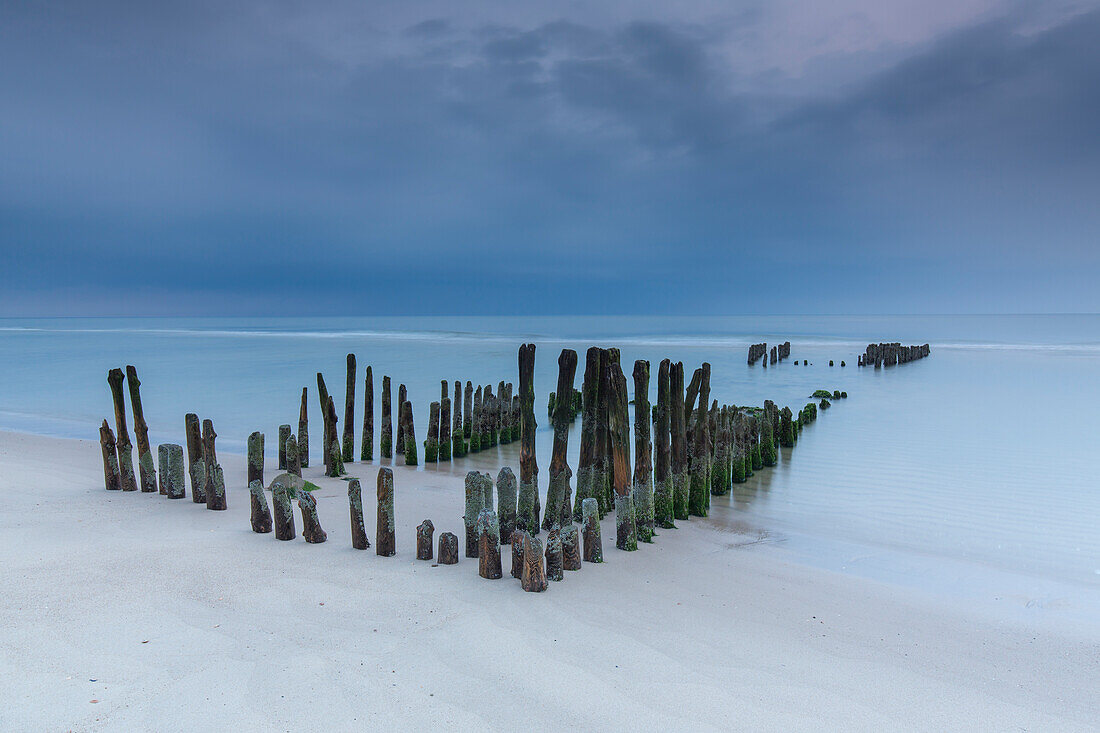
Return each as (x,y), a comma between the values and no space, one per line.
(129,611)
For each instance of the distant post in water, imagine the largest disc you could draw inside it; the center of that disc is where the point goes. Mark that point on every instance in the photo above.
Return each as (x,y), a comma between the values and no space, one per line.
(467,410)
(355,507)
(528,517)
(384,534)
(303,431)
(559,510)
(148,473)
(458,437)
(643,454)
(349,412)
(431,442)
(110,458)
(196,467)
(402,398)
(123,446)
(475,428)
(505,413)
(445,429)
(409,433)
(367,448)
(385,440)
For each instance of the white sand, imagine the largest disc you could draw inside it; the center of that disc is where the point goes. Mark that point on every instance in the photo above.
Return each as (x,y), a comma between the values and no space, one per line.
(173,617)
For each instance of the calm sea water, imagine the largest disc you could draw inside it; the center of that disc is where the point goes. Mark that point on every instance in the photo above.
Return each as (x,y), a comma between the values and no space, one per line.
(971,470)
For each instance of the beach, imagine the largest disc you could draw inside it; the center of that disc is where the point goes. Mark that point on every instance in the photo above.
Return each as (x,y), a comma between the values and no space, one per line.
(132,611)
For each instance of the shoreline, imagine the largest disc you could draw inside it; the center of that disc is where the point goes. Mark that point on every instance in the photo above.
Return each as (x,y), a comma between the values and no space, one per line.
(180,613)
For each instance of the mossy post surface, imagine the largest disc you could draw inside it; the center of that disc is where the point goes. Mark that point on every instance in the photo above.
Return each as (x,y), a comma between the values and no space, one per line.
(311,523)
(336,458)
(195,466)
(349,412)
(507,496)
(215,490)
(475,502)
(474,424)
(590,526)
(662,475)
(385,438)
(720,473)
(786,428)
(162,468)
(570,547)
(559,510)
(303,429)
(507,430)
(260,514)
(767,444)
(282,493)
(699,497)
(123,446)
(210,460)
(528,510)
(256,457)
(448,548)
(458,436)
(517,553)
(327,430)
(445,430)
(284,435)
(355,508)
(293,461)
(175,483)
(642,488)
(602,475)
(586,465)
(425,534)
(111,480)
(468,410)
(680,484)
(147,473)
(488,420)
(366,442)
(431,442)
(554,559)
(533,579)
(402,398)
(626,529)
(410,433)
(488,545)
(384,532)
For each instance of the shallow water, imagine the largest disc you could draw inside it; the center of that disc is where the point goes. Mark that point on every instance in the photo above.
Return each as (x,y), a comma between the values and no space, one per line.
(971,464)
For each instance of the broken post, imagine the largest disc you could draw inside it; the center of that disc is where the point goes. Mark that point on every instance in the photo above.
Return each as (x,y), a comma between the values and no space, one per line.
(293,461)
(559,510)
(328,427)
(506,501)
(643,454)
(349,412)
(528,512)
(425,532)
(367,450)
(281,495)
(662,476)
(533,579)
(284,434)
(256,457)
(475,502)
(431,443)
(554,555)
(215,491)
(148,474)
(336,457)
(593,543)
(570,547)
(110,458)
(162,468)
(517,553)
(384,533)
(261,515)
(215,481)
(311,523)
(488,545)
(448,548)
(122,443)
(196,468)
(355,508)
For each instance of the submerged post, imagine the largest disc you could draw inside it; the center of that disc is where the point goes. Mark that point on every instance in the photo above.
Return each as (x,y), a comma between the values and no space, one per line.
(387,542)
(123,446)
(559,510)
(355,508)
(467,410)
(445,429)
(148,473)
(528,516)
(475,428)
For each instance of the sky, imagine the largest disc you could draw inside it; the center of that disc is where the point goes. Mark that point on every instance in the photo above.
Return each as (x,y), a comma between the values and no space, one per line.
(491,157)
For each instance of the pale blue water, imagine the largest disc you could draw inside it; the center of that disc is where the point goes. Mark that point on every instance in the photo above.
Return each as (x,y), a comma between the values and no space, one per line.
(976,463)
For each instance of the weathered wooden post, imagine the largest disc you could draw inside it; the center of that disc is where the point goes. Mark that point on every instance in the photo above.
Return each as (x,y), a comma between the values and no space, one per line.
(215,492)
(593,543)
(402,398)
(475,429)
(662,478)
(767,443)
(123,446)
(488,429)
(425,532)
(349,412)
(311,523)
(367,448)
(385,440)
(468,408)
(111,478)
(533,579)
(303,430)
(355,508)
(571,547)
(336,457)
(559,509)
(261,515)
(604,493)
(786,428)
(256,458)
(284,434)
(281,495)
(175,484)
(586,465)
(506,501)
(488,545)
(475,502)
(448,548)
(445,429)
(699,496)
(458,436)
(626,530)
(506,429)
(554,560)
(293,461)
(329,429)
(431,443)
(517,553)
(643,454)
(528,510)
(410,433)
(215,482)
(148,473)
(387,542)
(162,468)
(196,467)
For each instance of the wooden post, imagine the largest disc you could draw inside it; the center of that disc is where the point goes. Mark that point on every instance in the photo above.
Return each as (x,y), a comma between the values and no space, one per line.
(517,553)
(506,428)
(626,530)
(311,523)
(643,454)
(448,548)
(148,473)
(336,458)
(409,433)
(467,410)
(326,436)
(559,509)
(586,466)
(175,484)
(281,494)
(384,534)
(602,475)
(533,579)
(123,446)
(293,462)
(662,478)
(488,545)
(261,515)
(458,437)
(284,435)
(162,468)
(110,458)
(554,560)
(506,501)
(680,483)
(431,443)
(215,493)
(528,510)
(367,450)
(699,496)
(571,547)
(475,502)
(215,480)
(475,427)
(355,508)
(303,431)
(256,458)
(445,429)
(488,429)
(349,412)
(385,440)
(402,398)
(593,543)
(196,468)
(425,532)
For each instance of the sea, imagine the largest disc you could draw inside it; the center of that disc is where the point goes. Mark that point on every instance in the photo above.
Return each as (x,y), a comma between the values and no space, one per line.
(971,473)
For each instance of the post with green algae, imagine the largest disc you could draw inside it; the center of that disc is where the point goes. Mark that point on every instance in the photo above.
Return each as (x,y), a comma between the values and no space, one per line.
(468,411)
(787,433)
(570,547)
(528,510)
(533,579)
(311,523)
(261,515)
(366,449)
(355,508)
(448,548)
(602,476)
(593,542)
(385,439)
(559,510)
(410,433)
(474,427)
(643,454)
(554,560)
(488,545)
(488,422)
(303,430)
(475,502)
(445,430)
(284,435)
(384,533)
(349,412)
(162,468)
(431,442)
(506,501)
(402,398)
(586,465)
(699,496)
(767,443)
(327,429)
(662,477)
(256,457)
(507,429)
(720,473)
(335,462)
(678,426)
(626,531)
(293,461)
(175,484)
(196,468)
(458,437)
(425,533)
(111,480)
(122,444)
(215,483)
(147,472)
(281,494)
(517,553)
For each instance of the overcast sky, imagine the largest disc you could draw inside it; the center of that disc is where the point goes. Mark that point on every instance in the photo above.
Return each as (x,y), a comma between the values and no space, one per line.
(780,156)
